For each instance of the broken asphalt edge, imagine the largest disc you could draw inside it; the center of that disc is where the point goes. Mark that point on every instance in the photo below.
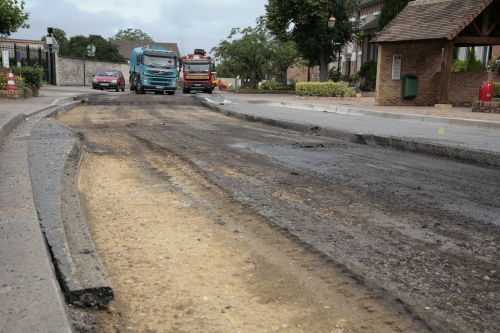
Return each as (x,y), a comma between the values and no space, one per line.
(7,124)
(80,271)
(463,154)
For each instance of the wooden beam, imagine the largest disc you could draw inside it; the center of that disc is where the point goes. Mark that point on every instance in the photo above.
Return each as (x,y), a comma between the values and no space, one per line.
(477,40)
(493,26)
(486,21)
(444,91)
(474,24)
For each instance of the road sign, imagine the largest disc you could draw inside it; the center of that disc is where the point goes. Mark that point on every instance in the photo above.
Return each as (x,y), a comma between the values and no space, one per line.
(18,58)
(50,42)
(5,59)
(91,50)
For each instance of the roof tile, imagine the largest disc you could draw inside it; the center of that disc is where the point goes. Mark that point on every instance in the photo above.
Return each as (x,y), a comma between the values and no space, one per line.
(431,19)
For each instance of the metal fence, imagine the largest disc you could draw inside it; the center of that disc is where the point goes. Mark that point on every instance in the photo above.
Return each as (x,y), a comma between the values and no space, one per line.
(31,56)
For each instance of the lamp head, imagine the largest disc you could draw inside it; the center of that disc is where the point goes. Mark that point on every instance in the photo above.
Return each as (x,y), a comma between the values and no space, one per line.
(331,22)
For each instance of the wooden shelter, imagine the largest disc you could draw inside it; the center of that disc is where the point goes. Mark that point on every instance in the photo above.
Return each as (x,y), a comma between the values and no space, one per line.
(425,25)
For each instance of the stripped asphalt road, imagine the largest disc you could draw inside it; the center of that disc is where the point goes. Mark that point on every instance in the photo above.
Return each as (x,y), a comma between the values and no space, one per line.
(417,231)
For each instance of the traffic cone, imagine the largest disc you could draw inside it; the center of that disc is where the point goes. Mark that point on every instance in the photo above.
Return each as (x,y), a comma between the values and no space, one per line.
(11,85)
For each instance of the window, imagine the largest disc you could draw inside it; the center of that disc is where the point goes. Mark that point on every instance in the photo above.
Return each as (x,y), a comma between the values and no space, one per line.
(373,52)
(196,67)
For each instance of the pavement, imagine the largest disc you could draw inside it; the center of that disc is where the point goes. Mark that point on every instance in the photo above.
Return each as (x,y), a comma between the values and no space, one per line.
(31,297)
(428,130)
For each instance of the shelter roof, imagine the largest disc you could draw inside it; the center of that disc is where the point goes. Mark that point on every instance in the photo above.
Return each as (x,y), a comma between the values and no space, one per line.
(434,19)
(370,25)
(125,47)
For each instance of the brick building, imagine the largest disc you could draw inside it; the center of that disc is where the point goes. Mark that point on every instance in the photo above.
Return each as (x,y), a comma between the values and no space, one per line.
(369,13)
(420,41)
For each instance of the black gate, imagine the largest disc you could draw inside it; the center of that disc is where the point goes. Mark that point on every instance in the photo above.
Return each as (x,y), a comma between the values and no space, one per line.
(31,56)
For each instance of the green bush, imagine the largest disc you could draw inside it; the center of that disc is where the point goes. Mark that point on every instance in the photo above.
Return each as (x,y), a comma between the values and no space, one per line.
(458,65)
(467,66)
(369,71)
(33,75)
(327,89)
(494,65)
(496,89)
(272,85)
(471,64)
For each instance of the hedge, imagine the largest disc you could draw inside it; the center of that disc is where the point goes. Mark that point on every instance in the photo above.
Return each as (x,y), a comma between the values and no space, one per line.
(496,89)
(326,89)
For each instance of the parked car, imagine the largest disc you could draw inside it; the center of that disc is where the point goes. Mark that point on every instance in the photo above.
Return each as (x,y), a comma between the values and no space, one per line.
(109,79)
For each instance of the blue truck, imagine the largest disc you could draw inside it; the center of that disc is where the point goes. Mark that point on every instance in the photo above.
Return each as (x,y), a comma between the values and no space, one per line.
(154,68)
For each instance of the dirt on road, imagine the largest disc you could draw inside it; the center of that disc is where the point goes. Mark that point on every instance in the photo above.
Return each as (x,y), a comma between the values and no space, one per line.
(211,224)
(183,256)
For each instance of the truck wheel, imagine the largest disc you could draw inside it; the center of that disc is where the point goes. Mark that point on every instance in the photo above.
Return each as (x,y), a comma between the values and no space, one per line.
(139,89)
(209,91)
(222,88)
(185,91)
(171,92)
(131,80)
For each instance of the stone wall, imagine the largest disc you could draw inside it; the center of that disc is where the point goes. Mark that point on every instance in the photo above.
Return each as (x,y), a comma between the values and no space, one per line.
(15,94)
(487,107)
(70,70)
(424,60)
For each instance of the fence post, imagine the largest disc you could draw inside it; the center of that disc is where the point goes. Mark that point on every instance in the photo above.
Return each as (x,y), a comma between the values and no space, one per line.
(28,54)
(15,54)
(47,66)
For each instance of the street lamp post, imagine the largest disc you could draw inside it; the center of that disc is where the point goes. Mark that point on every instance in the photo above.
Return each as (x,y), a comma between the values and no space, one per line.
(331,22)
(331,25)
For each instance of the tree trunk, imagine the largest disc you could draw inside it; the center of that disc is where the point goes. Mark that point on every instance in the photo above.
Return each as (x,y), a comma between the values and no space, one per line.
(323,66)
(285,78)
(253,78)
(308,73)
(242,78)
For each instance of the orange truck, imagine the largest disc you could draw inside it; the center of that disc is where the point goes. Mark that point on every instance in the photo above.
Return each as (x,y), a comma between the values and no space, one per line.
(197,72)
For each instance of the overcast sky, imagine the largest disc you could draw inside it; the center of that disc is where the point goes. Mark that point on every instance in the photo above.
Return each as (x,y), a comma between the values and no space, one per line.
(189,23)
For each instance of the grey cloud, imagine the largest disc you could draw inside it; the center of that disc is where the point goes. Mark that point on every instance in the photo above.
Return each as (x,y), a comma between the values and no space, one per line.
(191,24)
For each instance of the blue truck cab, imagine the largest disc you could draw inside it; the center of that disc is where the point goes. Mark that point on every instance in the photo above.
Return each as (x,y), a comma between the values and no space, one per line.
(154,68)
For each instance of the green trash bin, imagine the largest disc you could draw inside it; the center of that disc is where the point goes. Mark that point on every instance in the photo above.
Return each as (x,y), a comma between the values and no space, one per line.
(410,86)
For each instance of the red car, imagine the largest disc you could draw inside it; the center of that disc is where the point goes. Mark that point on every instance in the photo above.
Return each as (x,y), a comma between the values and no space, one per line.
(109,79)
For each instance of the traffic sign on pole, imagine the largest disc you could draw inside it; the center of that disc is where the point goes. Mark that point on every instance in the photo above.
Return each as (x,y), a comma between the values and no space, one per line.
(91,50)
(18,58)
(53,44)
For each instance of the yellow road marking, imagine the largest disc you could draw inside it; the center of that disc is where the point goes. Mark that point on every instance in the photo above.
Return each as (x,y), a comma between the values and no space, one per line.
(15,209)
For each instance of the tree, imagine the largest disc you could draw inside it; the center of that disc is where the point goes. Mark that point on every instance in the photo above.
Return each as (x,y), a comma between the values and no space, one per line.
(105,50)
(249,52)
(12,16)
(306,24)
(390,9)
(283,56)
(226,68)
(136,35)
